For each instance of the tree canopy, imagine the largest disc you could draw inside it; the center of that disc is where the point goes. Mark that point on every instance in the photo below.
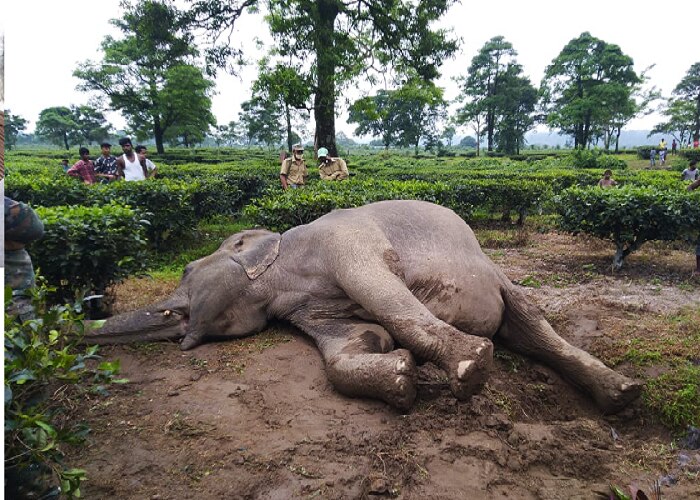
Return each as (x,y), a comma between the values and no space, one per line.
(333,42)
(14,126)
(74,126)
(587,80)
(688,89)
(150,73)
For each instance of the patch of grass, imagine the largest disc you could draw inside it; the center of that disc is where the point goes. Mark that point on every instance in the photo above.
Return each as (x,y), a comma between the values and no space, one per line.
(502,238)
(670,342)
(675,396)
(531,282)
(513,361)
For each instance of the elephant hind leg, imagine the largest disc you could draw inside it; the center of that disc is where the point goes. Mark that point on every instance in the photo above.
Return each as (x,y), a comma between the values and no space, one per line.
(526,331)
(360,363)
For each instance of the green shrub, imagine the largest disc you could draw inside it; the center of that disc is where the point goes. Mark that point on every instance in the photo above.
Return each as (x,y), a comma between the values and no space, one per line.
(675,396)
(88,248)
(630,216)
(691,154)
(44,369)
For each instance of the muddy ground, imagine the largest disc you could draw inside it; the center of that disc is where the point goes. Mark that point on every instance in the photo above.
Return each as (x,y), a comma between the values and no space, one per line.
(257,418)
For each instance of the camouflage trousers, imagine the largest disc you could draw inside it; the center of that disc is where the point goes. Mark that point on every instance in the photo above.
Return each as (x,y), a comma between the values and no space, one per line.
(19,275)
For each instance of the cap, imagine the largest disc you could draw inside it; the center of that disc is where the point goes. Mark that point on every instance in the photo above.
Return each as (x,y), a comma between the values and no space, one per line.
(322,152)
(105,145)
(297,147)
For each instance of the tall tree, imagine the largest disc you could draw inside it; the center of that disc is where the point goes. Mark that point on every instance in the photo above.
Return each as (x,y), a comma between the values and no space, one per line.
(514,107)
(680,120)
(289,88)
(149,74)
(417,108)
(374,116)
(482,86)
(336,41)
(689,90)
(472,113)
(582,83)
(56,124)
(260,119)
(90,125)
(14,126)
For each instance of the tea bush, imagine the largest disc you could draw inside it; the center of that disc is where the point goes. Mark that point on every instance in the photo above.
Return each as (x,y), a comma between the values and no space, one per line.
(88,248)
(630,216)
(44,368)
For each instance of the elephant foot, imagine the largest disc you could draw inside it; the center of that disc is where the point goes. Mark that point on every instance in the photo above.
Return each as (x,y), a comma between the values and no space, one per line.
(400,391)
(616,394)
(468,364)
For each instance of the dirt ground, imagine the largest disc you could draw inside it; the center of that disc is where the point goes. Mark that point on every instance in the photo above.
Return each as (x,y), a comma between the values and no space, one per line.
(257,418)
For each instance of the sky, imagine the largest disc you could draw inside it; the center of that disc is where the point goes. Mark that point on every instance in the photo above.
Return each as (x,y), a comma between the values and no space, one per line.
(45,41)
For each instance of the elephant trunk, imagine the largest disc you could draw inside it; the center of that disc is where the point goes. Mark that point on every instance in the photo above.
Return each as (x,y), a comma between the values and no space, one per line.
(165,320)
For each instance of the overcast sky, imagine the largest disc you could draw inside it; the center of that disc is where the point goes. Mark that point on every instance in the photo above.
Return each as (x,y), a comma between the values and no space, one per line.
(45,41)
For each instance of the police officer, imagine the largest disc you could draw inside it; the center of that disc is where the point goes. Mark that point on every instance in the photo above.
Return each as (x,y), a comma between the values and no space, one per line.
(294,172)
(22,226)
(331,169)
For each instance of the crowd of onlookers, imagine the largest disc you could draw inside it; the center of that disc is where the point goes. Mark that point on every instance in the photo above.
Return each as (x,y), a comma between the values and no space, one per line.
(132,165)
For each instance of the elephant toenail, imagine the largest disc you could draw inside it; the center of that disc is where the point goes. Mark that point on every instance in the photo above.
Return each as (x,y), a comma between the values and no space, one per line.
(401,365)
(478,351)
(463,368)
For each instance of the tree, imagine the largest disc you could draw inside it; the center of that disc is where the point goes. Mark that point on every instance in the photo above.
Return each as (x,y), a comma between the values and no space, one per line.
(448,134)
(288,87)
(515,105)
(374,116)
(473,114)
(14,126)
(90,125)
(260,120)
(150,73)
(482,86)
(689,90)
(337,41)
(586,79)
(680,120)
(417,108)
(468,142)
(228,134)
(56,125)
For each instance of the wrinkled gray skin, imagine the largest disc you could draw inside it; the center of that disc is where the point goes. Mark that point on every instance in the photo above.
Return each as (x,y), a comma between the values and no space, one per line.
(362,282)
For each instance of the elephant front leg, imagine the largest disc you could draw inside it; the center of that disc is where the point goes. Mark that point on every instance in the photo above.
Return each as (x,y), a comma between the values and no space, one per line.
(360,361)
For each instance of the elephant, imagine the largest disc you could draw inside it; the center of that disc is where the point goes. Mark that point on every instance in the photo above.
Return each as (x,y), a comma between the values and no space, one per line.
(380,289)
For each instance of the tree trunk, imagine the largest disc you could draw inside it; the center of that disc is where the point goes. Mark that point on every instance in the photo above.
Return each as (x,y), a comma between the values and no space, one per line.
(324,99)
(65,141)
(158,133)
(490,117)
(617,140)
(288,117)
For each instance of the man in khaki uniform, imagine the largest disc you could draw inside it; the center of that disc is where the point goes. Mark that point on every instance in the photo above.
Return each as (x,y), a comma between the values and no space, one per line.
(293,172)
(331,169)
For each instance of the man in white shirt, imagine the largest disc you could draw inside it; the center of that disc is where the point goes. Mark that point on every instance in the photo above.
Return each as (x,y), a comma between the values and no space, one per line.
(142,152)
(130,166)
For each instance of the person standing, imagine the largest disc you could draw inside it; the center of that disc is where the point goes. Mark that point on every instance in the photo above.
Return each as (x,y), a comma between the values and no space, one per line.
(129,165)
(293,172)
(142,153)
(106,164)
(22,226)
(652,157)
(662,151)
(84,168)
(331,169)
(674,147)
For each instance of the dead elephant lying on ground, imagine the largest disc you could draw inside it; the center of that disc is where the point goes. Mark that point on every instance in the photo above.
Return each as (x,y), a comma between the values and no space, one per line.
(361,282)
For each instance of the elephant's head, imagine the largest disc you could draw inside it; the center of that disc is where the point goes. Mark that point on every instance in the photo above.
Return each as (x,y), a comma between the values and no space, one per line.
(221,295)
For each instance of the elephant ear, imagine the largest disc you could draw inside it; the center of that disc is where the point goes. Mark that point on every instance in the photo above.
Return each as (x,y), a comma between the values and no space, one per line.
(256,251)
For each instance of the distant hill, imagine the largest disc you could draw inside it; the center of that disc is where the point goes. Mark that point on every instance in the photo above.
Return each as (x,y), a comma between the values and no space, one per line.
(628,139)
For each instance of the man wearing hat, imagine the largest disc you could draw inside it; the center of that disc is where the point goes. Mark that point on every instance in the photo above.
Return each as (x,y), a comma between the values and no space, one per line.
(293,172)
(331,169)
(106,164)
